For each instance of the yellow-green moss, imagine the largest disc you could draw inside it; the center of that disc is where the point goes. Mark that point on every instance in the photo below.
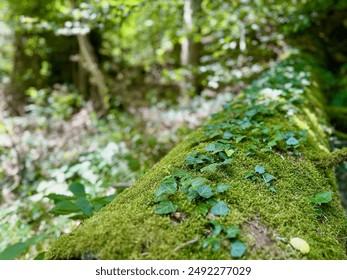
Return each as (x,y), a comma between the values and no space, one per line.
(128,228)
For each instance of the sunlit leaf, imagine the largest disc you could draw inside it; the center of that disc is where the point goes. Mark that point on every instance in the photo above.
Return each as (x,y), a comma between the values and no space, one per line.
(300,245)
(320,198)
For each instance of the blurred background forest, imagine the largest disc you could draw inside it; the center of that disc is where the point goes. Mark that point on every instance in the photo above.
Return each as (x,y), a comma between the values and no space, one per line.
(93,93)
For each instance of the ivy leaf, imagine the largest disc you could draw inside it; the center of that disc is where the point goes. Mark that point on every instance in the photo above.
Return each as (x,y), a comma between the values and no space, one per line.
(169,186)
(268,177)
(166,207)
(232,232)
(213,242)
(239,138)
(205,191)
(226,162)
(321,198)
(222,188)
(192,194)
(77,189)
(210,168)
(227,135)
(229,152)
(292,141)
(180,173)
(217,147)
(198,181)
(192,159)
(249,175)
(217,227)
(259,169)
(237,249)
(250,152)
(220,209)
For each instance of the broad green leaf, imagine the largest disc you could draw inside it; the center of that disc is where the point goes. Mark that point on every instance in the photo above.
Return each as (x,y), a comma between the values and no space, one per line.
(232,232)
(210,168)
(217,227)
(268,177)
(84,205)
(292,141)
(77,189)
(166,207)
(205,191)
(13,251)
(321,198)
(211,242)
(259,169)
(300,245)
(220,209)
(237,249)
(222,188)
(64,208)
(40,256)
(59,197)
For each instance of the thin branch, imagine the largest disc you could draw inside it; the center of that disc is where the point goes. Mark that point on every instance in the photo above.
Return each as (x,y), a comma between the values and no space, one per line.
(186,244)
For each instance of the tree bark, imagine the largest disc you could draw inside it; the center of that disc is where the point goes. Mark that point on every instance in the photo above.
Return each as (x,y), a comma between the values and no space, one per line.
(190,49)
(265,145)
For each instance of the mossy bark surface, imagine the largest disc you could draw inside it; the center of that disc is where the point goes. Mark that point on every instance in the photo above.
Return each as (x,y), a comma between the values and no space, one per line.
(278,124)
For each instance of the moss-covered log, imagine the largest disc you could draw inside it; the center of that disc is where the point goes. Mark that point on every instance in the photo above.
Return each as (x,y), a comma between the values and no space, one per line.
(245,178)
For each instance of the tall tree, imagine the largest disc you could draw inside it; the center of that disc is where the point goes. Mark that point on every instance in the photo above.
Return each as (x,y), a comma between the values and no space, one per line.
(191,49)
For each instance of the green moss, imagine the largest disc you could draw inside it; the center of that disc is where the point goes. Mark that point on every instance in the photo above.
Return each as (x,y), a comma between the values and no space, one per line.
(333,159)
(128,228)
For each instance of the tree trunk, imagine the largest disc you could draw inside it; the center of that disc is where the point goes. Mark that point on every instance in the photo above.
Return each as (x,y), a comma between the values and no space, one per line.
(254,166)
(25,74)
(190,50)
(89,61)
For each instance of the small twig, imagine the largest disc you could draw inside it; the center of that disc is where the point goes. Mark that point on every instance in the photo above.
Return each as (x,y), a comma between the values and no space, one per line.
(122,185)
(186,244)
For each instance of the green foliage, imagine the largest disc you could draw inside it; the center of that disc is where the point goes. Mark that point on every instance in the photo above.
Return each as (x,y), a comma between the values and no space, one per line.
(321,198)
(15,250)
(80,204)
(220,209)
(237,249)
(166,207)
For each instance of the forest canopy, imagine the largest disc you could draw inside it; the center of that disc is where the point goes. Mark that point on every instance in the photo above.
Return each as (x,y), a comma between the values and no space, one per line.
(94,93)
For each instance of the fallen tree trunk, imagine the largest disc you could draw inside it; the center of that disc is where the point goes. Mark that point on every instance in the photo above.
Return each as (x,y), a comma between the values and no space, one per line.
(246,185)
